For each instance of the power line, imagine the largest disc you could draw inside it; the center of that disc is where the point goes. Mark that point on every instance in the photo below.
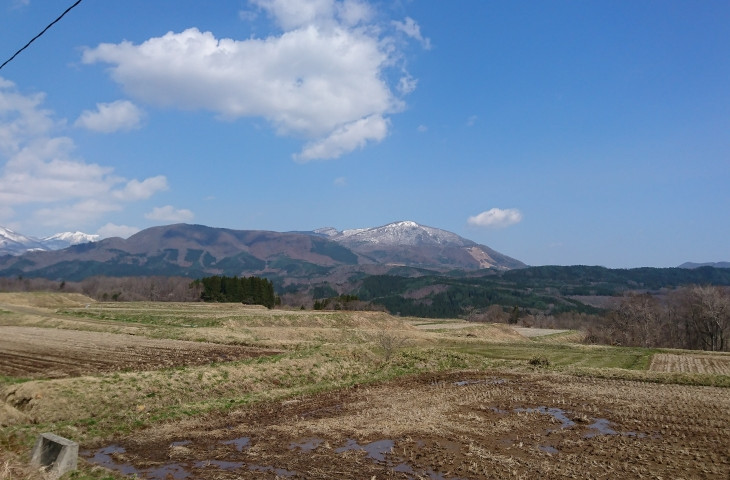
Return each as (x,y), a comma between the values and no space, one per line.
(36,37)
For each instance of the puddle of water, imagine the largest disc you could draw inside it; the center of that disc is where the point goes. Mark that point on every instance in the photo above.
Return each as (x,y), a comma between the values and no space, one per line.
(375,450)
(223,465)
(173,471)
(556,413)
(181,443)
(103,457)
(403,468)
(601,427)
(240,443)
(548,449)
(498,410)
(307,444)
(281,472)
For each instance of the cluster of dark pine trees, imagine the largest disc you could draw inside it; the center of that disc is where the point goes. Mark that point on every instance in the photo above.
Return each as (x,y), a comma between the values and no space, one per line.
(248,290)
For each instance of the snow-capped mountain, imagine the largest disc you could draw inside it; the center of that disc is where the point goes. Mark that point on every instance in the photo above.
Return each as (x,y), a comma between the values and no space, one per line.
(66,239)
(198,250)
(405,233)
(13,243)
(409,243)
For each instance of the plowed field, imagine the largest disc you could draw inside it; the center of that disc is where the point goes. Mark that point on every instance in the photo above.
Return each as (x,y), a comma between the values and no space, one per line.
(52,353)
(449,426)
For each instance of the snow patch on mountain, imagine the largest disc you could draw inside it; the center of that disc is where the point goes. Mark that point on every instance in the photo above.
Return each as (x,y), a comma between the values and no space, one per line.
(403,233)
(13,243)
(66,239)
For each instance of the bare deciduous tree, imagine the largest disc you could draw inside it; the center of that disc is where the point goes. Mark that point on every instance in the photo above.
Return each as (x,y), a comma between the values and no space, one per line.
(708,313)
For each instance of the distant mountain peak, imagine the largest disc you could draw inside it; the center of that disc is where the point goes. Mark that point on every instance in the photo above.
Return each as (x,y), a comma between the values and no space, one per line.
(402,233)
(705,264)
(71,238)
(13,243)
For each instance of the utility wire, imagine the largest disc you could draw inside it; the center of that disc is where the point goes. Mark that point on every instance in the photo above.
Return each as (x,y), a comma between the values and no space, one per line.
(36,37)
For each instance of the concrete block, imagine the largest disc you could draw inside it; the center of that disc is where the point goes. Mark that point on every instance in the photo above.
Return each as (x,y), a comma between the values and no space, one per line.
(57,455)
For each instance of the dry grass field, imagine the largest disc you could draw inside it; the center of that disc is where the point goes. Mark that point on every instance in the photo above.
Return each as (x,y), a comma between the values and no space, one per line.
(186,391)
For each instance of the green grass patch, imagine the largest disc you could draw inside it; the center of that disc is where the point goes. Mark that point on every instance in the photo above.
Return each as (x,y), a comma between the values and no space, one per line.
(5,380)
(565,355)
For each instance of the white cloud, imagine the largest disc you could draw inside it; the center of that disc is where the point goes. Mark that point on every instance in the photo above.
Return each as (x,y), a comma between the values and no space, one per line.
(38,169)
(323,75)
(76,213)
(112,230)
(293,14)
(413,30)
(340,182)
(496,218)
(169,214)
(136,190)
(121,115)
(422,128)
(471,121)
(346,138)
(407,84)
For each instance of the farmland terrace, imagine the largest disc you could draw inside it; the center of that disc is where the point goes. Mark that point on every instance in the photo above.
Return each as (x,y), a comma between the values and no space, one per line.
(231,391)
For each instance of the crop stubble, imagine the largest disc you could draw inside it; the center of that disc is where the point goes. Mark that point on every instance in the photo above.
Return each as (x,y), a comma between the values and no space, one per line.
(52,353)
(691,363)
(457,425)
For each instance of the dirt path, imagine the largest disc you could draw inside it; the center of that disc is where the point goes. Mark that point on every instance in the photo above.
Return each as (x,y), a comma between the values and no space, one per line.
(456,325)
(537,332)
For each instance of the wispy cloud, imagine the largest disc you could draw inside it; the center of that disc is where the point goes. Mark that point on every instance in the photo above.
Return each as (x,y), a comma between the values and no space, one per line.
(413,30)
(121,115)
(168,213)
(41,172)
(496,218)
(323,78)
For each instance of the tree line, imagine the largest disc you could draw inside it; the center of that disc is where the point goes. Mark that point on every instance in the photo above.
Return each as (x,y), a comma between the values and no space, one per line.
(248,290)
(693,317)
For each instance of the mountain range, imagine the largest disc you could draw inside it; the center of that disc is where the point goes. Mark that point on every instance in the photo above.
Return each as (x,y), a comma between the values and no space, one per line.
(12,243)
(198,250)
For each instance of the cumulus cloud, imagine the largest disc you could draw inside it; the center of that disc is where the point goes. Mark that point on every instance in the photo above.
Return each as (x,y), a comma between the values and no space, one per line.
(136,190)
(111,117)
(346,138)
(496,218)
(322,79)
(168,213)
(112,230)
(39,170)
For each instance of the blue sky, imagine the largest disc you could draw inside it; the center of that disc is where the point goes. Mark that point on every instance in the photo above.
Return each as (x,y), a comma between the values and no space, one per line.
(562,132)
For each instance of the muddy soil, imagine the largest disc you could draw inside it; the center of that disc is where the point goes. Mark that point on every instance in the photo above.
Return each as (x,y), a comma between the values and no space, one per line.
(450,426)
(53,353)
